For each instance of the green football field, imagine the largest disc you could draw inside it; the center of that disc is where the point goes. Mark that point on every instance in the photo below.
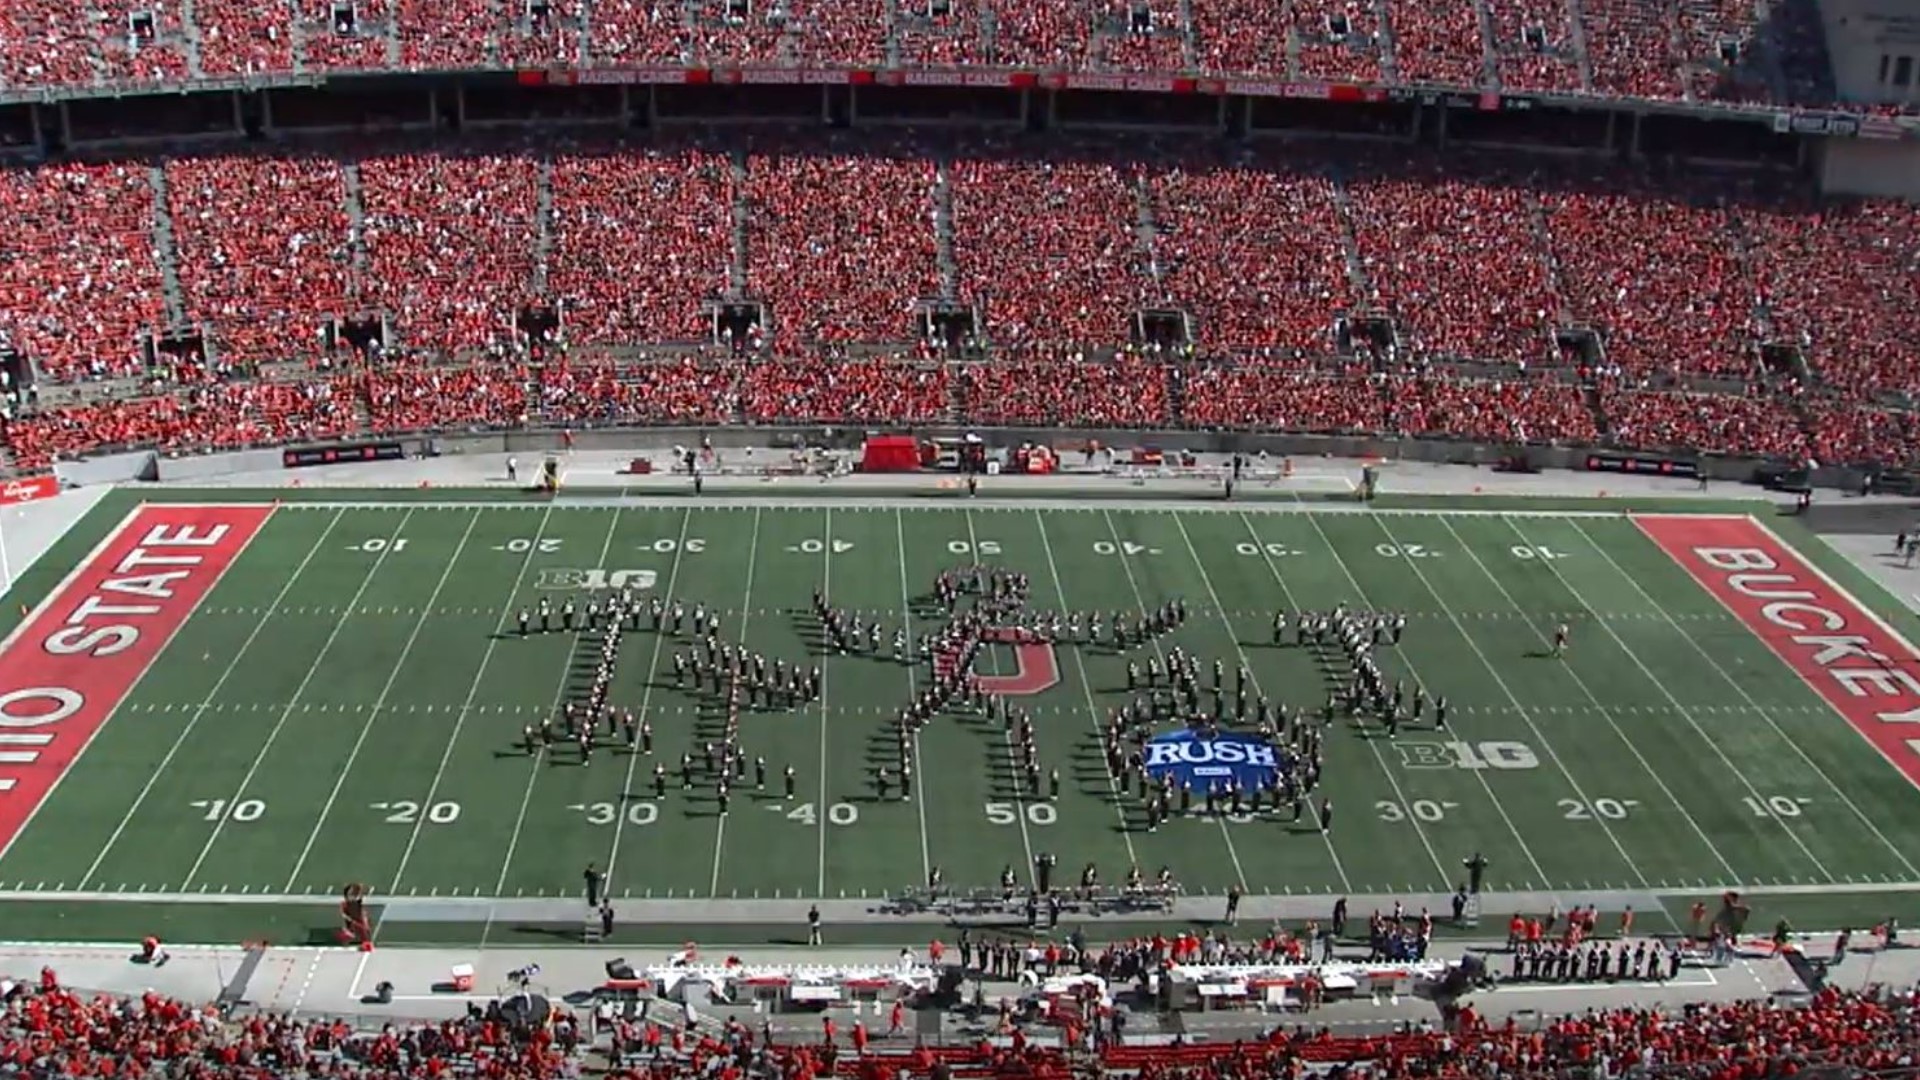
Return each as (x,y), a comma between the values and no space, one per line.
(345,706)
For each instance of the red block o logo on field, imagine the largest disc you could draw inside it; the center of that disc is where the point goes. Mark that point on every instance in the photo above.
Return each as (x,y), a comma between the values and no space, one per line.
(1036,668)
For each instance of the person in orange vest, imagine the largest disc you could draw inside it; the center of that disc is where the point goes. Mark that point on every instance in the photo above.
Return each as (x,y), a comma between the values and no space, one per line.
(1697,917)
(1626,921)
(826,1030)
(896,1022)
(859,1038)
(936,950)
(1516,930)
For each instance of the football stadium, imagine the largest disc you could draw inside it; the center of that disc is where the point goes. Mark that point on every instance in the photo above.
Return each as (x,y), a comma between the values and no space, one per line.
(989,538)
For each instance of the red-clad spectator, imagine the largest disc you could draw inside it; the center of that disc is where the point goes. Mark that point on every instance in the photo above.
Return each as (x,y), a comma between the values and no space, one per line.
(847,391)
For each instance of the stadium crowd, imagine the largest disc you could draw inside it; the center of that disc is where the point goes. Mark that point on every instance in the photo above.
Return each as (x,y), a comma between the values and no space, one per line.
(180,289)
(48,1029)
(1718,51)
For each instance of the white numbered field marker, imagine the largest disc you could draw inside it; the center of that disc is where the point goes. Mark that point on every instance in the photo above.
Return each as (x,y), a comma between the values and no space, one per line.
(407,812)
(1006,813)
(379,544)
(839,813)
(1405,551)
(605,813)
(1124,547)
(974,547)
(817,547)
(1424,810)
(1270,550)
(694,546)
(1535,551)
(243,811)
(1776,805)
(521,545)
(1597,810)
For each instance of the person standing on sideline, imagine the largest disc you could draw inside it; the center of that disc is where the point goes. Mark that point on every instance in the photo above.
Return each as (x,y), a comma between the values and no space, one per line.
(596,882)
(606,919)
(513,470)
(1233,903)
(813,924)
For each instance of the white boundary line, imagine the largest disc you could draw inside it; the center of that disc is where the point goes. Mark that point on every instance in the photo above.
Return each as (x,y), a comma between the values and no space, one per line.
(1381,759)
(1658,684)
(1545,883)
(1140,605)
(239,654)
(1524,712)
(380,703)
(60,590)
(913,690)
(1064,501)
(746,616)
(652,676)
(287,713)
(466,707)
(1600,707)
(1346,883)
(1086,690)
(1804,679)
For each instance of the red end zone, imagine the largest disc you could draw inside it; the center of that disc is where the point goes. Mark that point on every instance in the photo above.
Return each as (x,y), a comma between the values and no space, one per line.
(1866,671)
(65,670)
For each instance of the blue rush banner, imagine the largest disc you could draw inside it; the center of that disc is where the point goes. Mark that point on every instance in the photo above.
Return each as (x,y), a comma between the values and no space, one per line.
(1190,757)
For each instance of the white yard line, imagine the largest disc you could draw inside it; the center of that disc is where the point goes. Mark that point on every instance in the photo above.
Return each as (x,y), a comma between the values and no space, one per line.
(746,615)
(1523,712)
(466,707)
(1140,605)
(1478,774)
(913,690)
(1006,736)
(1658,684)
(306,680)
(1393,782)
(540,755)
(1741,689)
(1346,884)
(380,702)
(200,710)
(652,675)
(824,810)
(1086,690)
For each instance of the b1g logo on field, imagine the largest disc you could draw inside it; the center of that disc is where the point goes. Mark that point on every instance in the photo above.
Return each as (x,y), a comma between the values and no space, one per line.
(1463,755)
(557,579)
(1190,758)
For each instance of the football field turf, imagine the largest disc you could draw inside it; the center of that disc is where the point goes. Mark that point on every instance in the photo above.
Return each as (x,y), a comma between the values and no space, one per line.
(344,704)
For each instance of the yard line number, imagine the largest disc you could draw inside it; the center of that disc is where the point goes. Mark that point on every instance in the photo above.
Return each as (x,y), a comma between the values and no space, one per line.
(1423,810)
(1124,547)
(1597,809)
(520,545)
(1405,551)
(1776,805)
(243,811)
(1536,551)
(407,812)
(965,547)
(1271,550)
(378,544)
(1006,813)
(639,814)
(840,813)
(668,545)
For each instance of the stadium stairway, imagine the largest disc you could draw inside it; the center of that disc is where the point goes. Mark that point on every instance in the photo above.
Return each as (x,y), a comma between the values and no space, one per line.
(1577,35)
(356,220)
(543,214)
(943,229)
(1489,52)
(163,247)
(737,269)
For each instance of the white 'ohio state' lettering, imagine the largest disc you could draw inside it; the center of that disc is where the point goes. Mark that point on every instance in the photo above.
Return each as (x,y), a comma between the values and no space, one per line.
(1206,753)
(136,574)
(1874,673)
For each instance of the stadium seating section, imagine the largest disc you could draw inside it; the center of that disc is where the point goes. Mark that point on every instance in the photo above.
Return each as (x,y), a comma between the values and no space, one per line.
(45,1028)
(1525,301)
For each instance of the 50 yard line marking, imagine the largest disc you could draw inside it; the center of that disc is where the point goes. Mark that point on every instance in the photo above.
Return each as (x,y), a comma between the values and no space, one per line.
(1006,736)
(153,776)
(380,702)
(326,647)
(540,754)
(466,707)
(746,616)
(646,696)
(1140,605)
